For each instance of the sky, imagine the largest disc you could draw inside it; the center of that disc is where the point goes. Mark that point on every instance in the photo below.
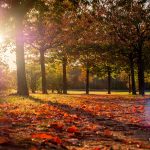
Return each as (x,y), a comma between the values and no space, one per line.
(7,56)
(10,59)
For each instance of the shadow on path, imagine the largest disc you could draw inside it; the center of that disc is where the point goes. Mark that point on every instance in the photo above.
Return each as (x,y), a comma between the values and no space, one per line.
(108,123)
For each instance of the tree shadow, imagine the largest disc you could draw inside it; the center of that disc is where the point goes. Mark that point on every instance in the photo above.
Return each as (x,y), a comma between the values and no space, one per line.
(101,120)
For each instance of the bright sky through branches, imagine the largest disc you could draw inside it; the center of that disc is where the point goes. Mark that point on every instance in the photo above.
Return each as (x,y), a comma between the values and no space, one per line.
(7,56)
(1,39)
(10,59)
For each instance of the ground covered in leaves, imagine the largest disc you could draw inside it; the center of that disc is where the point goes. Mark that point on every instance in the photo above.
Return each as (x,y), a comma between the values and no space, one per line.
(74,122)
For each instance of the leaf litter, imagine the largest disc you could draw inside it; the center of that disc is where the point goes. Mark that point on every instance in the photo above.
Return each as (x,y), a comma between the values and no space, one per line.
(73,122)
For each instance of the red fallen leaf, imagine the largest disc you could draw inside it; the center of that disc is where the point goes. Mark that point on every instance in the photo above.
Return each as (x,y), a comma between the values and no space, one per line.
(97,148)
(47,136)
(57,140)
(3,140)
(48,116)
(135,120)
(41,136)
(134,110)
(72,129)
(66,115)
(141,108)
(107,132)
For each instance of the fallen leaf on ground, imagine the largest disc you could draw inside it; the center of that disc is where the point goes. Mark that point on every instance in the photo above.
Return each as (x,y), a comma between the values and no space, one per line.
(41,136)
(72,129)
(4,140)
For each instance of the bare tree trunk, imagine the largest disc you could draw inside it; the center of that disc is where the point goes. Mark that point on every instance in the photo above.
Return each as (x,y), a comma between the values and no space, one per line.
(33,83)
(42,61)
(132,75)
(109,80)
(22,88)
(64,75)
(140,63)
(129,83)
(87,79)
(33,90)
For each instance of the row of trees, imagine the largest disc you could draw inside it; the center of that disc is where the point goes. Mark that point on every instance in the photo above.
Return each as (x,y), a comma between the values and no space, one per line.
(76,76)
(105,37)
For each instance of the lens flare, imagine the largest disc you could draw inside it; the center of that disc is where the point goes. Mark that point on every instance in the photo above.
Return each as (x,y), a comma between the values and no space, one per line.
(1,39)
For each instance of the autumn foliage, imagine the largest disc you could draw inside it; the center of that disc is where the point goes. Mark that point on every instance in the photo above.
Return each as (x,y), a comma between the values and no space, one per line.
(74,122)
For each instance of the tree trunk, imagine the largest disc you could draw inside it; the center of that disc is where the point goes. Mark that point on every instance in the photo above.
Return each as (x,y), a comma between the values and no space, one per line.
(129,82)
(33,83)
(109,80)
(33,90)
(132,75)
(22,88)
(140,63)
(64,75)
(87,79)
(42,61)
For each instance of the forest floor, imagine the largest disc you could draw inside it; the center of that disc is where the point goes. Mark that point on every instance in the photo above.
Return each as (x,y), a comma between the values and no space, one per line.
(74,122)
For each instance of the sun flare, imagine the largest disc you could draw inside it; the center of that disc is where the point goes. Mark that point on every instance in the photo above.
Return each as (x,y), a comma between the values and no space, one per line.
(8,55)
(10,59)
(1,39)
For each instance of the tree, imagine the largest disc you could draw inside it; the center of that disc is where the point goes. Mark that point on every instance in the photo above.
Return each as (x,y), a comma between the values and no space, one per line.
(54,74)
(41,34)
(51,29)
(88,58)
(33,69)
(65,39)
(18,10)
(130,22)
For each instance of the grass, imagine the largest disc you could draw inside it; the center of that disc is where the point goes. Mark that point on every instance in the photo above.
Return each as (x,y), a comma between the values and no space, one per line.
(93,92)
(102,92)
(99,92)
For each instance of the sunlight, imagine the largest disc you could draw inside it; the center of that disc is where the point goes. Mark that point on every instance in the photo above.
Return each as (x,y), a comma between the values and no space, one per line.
(7,53)
(1,39)
(10,59)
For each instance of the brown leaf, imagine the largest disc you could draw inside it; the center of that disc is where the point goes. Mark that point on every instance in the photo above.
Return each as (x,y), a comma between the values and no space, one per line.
(4,140)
